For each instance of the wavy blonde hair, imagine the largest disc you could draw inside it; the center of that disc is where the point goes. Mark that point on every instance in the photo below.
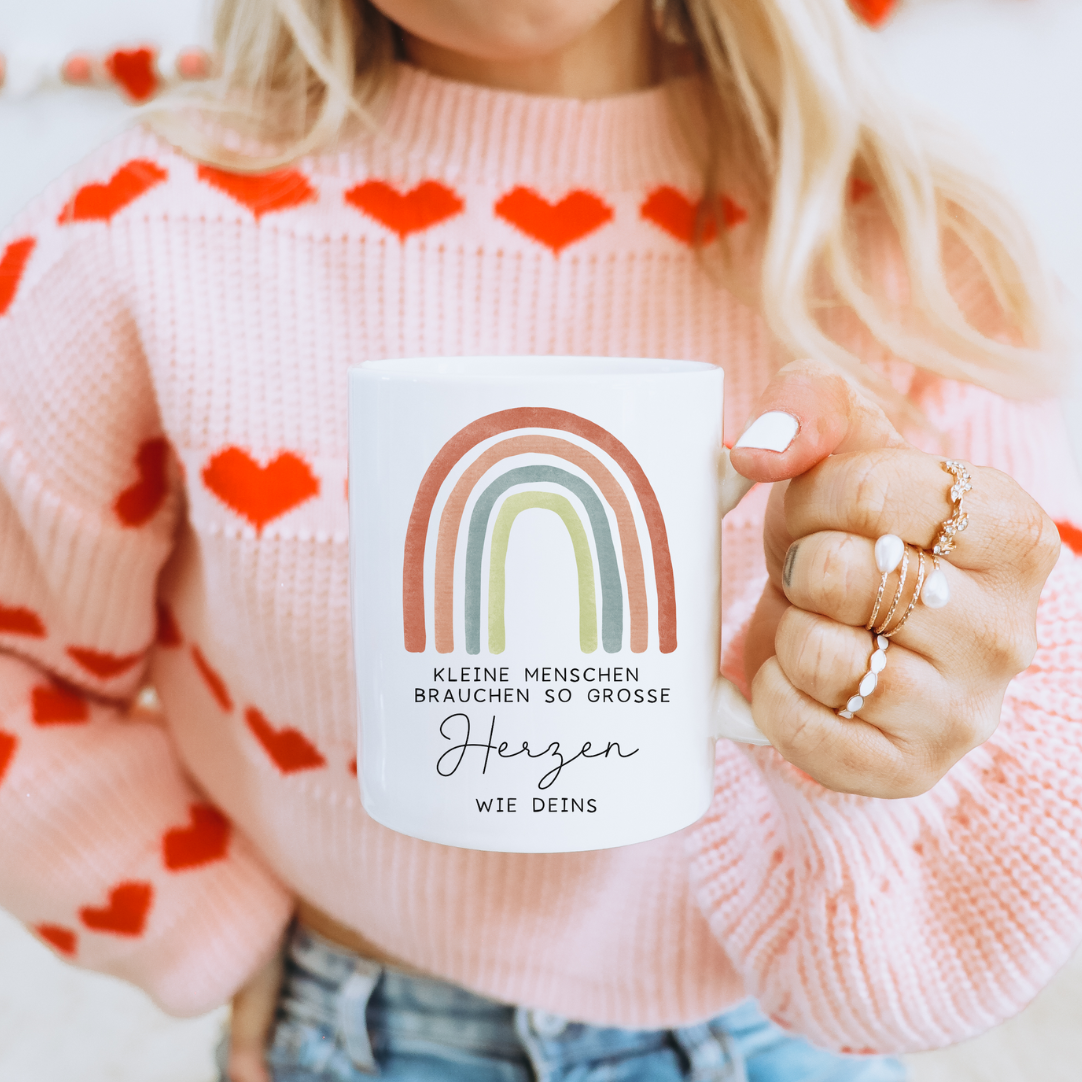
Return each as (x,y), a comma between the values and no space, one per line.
(792,92)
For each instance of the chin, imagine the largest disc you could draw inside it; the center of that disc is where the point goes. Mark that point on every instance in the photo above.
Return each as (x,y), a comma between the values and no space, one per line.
(499,30)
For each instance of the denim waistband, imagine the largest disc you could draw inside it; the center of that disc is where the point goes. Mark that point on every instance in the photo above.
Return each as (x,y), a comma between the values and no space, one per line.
(376,1011)
(405,1012)
(341,1016)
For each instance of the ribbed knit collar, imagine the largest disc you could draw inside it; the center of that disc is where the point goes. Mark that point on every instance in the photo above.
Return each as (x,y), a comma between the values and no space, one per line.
(437,127)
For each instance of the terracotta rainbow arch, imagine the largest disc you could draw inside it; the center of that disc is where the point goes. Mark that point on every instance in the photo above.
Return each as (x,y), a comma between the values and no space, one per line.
(496,424)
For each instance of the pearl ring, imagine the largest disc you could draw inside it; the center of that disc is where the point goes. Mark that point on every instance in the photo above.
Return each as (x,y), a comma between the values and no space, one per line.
(932,591)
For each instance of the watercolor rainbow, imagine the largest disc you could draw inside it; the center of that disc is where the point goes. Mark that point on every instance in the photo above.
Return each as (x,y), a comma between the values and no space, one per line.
(605,489)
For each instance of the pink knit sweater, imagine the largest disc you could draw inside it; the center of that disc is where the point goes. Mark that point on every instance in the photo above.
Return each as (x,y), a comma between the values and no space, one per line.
(173,352)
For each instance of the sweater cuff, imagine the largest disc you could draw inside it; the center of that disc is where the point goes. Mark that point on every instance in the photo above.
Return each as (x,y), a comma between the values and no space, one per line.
(114,860)
(216,939)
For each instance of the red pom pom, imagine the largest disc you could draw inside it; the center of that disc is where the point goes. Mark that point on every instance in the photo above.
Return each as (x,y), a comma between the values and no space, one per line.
(873,12)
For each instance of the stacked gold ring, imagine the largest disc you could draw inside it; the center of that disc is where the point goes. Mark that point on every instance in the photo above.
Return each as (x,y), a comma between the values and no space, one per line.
(890,550)
(933,591)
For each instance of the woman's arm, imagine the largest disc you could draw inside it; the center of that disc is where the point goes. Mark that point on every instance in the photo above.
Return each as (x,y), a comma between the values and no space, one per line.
(891,925)
(109,853)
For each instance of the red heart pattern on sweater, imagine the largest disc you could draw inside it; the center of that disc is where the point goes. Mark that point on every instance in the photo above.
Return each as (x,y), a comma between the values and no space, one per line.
(1071,536)
(213,680)
(556,225)
(139,503)
(677,215)
(12,264)
(260,493)
(422,207)
(20,621)
(873,12)
(126,913)
(52,705)
(289,748)
(102,665)
(100,202)
(8,743)
(264,194)
(671,210)
(168,631)
(135,71)
(203,841)
(62,939)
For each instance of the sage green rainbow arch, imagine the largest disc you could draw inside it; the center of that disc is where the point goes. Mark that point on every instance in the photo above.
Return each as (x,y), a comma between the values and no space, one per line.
(612,593)
(512,507)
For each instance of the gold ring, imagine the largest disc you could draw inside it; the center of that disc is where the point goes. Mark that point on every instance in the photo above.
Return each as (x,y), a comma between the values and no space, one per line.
(898,593)
(914,599)
(950,527)
(889,550)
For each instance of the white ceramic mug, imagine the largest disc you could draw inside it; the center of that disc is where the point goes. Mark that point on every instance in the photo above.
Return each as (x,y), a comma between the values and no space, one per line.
(535,553)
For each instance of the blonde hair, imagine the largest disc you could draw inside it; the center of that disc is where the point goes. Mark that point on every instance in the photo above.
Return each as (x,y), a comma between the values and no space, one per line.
(793,93)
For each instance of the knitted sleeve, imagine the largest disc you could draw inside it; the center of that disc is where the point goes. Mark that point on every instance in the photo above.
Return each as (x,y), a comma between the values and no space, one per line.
(888,926)
(109,854)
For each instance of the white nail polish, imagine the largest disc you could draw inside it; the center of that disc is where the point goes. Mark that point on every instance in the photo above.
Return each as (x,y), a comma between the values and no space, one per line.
(772,431)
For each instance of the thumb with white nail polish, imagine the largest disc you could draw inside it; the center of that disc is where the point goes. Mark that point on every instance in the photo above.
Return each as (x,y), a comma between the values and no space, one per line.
(774,430)
(808,412)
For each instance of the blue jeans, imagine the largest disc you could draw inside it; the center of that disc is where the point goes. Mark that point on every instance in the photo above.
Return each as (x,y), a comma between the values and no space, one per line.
(346,1019)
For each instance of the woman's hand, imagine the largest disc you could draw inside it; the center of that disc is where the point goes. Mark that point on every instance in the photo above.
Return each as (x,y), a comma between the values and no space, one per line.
(252,1018)
(942,690)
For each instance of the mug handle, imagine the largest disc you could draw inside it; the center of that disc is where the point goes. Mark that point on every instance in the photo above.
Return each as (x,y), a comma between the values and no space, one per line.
(732,718)
(732,713)
(732,486)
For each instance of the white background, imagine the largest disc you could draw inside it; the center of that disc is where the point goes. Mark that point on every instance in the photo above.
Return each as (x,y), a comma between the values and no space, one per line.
(1007,71)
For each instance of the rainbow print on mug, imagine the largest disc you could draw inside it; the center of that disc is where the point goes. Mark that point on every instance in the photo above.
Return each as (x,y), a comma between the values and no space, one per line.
(595,487)
(535,558)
